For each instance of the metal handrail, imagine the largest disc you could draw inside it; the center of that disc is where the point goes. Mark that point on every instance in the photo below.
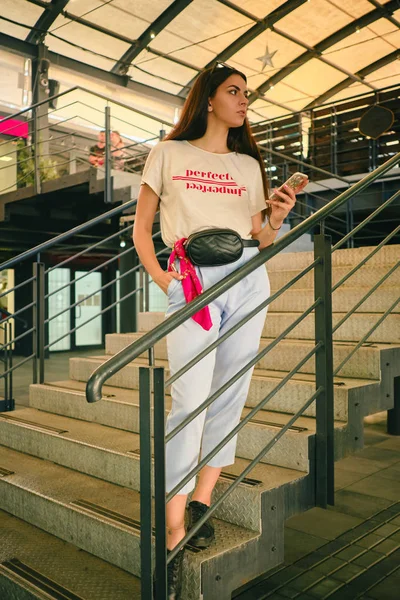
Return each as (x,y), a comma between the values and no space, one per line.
(366,336)
(365,259)
(125,356)
(82,89)
(244,473)
(64,236)
(365,297)
(240,373)
(239,324)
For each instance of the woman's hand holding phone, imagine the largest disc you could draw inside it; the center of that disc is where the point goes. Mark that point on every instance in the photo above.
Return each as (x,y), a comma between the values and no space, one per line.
(283,199)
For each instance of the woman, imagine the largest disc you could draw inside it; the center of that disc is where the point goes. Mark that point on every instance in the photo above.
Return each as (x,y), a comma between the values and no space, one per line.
(206,174)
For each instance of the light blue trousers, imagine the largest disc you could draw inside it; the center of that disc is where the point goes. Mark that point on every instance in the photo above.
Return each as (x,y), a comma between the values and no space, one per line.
(184,343)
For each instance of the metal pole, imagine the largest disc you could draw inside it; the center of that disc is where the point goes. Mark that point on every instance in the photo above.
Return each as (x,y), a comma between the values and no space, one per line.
(145,483)
(141,286)
(324,439)
(159,479)
(146,292)
(35,290)
(6,366)
(393,415)
(36,151)
(108,162)
(11,404)
(40,318)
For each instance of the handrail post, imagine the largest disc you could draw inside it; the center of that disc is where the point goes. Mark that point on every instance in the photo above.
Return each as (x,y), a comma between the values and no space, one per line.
(36,153)
(146,291)
(38,322)
(324,439)
(11,401)
(145,484)
(159,487)
(141,285)
(108,158)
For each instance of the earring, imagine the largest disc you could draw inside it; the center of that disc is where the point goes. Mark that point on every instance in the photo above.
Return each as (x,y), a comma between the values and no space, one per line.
(209,108)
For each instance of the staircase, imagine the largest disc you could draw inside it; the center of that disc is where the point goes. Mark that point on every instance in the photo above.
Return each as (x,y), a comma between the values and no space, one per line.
(72,468)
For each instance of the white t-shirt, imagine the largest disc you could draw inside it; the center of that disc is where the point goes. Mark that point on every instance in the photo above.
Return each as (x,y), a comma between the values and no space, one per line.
(200,189)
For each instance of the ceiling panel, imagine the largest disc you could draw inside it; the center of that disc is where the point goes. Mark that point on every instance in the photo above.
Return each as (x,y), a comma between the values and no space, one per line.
(314,78)
(355,89)
(21,12)
(154,81)
(259,8)
(355,8)
(96,41)
(314,21)
(160,66)
(356,56)
(247,57)
(143,9)
(382,27)
(127,18)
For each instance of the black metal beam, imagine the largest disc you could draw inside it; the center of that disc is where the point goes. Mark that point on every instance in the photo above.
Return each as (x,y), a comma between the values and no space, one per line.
(52,11)
(382,62)
(30,50)
(325,44)
(122,66)
(260,26)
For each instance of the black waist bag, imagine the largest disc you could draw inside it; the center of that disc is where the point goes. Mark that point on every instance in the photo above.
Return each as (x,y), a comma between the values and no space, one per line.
(214,247)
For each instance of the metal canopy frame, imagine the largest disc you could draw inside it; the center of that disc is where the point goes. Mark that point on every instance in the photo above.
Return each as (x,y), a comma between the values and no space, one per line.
(52,10)
(118,74)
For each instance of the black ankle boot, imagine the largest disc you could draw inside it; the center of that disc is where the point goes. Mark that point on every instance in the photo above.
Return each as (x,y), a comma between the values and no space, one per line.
(174,577)
(205,535)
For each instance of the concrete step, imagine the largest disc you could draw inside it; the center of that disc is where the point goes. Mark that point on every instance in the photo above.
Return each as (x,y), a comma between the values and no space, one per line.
(343,300)
(372,395)
(102,518)
(352,330)
(365,276)
(114,456)
(291,451)
(54,561)
(388,255)
(364,364)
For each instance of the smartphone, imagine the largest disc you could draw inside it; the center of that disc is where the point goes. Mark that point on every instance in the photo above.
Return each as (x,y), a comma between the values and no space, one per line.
(297,182)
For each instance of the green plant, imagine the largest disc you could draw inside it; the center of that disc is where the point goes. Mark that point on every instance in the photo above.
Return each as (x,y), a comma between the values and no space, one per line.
(26,166)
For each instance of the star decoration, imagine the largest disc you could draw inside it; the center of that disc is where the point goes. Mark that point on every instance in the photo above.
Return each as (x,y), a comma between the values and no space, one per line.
(267,58)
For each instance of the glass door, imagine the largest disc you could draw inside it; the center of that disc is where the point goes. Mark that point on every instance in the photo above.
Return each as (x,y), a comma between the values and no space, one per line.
(89,334)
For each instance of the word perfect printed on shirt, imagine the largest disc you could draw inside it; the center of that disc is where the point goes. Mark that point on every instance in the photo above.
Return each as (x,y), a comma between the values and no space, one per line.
(208,181)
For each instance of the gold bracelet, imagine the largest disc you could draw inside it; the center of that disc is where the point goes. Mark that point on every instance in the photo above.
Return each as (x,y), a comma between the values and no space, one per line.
(273,228)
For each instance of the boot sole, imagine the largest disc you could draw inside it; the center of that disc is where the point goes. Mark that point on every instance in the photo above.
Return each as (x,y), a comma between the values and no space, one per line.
(201,543)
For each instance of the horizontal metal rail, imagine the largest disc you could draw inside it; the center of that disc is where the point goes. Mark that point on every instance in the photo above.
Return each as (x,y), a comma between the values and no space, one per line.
(103,287)
(367,295)
(18,312)
(366,336)
(64,236)
(231,331)
(82,89)
(94,317)
(17,286)
(89,249)
(240,425)
(132,270)
(238,325)
(367,220)
(366,259)
(116,362)
(16,366)
(19,337)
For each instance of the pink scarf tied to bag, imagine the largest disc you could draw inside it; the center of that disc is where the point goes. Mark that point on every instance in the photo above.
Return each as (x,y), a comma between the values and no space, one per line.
(190,282)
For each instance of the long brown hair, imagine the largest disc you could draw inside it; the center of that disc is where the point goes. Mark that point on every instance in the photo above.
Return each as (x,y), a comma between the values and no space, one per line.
(192,124)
